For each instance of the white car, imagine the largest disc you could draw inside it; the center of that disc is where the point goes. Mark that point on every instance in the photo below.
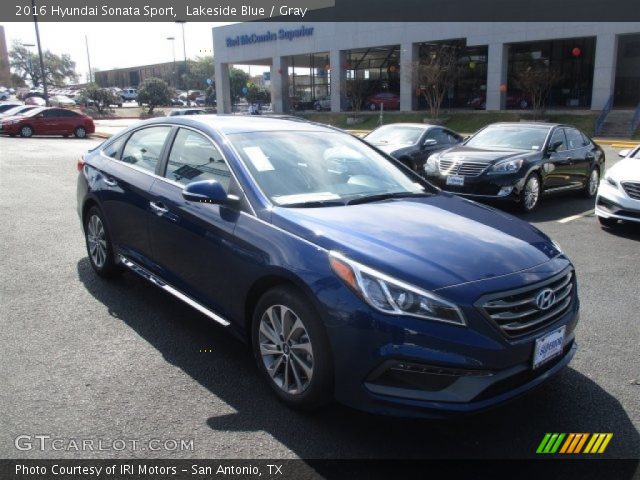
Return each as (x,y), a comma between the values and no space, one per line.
(619,191)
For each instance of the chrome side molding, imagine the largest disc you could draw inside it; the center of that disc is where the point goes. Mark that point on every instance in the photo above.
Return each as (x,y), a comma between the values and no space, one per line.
(147,275)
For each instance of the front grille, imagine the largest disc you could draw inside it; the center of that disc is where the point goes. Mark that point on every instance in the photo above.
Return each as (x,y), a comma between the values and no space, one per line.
(516,312)
(632,189)
(467,169)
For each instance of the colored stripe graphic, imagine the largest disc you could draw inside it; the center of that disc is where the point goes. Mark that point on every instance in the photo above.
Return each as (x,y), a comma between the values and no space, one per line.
(574,443)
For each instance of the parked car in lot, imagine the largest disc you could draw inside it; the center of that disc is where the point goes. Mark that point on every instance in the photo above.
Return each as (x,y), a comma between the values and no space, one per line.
(4,94)
(412,143)
(187,111)
(390,101)
(322,103)
(350,276)
(4,106)
(619,192)
(17,110)
(514,100)
(36,101)
(519,162)
(129,94)
(48,121)
(61,101)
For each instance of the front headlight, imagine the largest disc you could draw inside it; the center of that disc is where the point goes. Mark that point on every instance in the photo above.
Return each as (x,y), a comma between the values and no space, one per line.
(392,296)
(507,166)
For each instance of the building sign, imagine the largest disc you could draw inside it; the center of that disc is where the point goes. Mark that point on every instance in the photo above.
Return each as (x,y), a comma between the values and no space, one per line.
(269,36)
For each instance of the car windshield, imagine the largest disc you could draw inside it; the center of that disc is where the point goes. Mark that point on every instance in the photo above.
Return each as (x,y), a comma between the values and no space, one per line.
(510,136)
(404,135)
(302,169)
(636,154)
(34,111)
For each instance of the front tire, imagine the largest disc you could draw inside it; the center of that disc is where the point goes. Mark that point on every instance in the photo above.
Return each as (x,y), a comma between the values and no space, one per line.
(530,196)
(291,348)
(26,131)
(80,132)
(99,247)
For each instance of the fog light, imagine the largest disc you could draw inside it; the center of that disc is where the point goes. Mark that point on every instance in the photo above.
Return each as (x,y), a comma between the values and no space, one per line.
(504,191)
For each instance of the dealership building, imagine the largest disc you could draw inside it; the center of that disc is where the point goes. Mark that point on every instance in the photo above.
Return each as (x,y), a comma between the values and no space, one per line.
(596,62)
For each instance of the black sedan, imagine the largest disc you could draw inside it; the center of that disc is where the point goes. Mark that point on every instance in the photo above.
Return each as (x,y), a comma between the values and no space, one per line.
(412,143)
(519,162)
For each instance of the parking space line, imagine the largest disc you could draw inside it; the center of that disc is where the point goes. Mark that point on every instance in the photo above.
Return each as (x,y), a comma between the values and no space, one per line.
(575,217)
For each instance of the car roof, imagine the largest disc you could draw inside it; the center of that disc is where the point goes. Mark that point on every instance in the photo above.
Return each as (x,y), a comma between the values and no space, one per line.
(229,124)
(412,124)
(545,125)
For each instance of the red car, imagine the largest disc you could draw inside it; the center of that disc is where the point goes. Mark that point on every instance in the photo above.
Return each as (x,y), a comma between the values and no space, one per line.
(514,100)
(48,121)
(390,101)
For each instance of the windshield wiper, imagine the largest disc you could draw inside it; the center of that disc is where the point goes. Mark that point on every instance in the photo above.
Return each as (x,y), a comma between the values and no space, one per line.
(386,196)
(314,203)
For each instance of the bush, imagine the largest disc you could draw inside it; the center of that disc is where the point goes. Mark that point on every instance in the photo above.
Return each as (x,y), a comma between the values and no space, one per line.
(154,92)
(98,97)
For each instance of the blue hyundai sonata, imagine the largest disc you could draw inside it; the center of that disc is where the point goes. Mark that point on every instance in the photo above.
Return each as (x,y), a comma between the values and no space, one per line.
(351,277)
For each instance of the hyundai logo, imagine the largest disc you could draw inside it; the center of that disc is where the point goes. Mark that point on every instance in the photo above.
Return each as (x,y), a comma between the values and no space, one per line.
(545,299)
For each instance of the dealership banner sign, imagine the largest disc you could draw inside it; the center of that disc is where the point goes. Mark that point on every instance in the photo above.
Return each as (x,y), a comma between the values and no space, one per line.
(321,11)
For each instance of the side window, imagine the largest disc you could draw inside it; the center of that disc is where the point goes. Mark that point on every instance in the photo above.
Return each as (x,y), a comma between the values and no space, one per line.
(114,147)
(68,113)
(438,135)
(193,158)
(574,138)
(558,136)
(452,138)
(585,140)
(144,147)
(51,113)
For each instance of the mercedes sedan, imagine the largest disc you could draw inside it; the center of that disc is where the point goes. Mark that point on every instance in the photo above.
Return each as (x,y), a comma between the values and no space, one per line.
(519,162)
(350,276)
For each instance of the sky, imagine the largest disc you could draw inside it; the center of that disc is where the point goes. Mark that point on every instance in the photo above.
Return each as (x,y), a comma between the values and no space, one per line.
(115,45)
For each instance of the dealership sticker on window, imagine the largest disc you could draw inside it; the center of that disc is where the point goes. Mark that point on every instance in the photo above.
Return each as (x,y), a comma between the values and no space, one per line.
(259,159)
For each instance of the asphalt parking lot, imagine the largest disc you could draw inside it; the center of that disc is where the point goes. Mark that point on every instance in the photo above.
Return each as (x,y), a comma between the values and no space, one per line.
(85,357)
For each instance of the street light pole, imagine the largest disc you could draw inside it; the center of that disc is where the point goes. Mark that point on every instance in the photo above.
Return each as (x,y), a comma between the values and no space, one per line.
(88,57)
(173,47)
(42,71)
(184,45)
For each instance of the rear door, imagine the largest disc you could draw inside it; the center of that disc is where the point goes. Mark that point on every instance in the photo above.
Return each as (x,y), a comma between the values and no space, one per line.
(193,243)
(579,152)
(128,176)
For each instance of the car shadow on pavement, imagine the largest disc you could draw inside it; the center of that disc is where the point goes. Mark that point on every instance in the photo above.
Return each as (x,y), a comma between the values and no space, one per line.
(571,402)
(555,207)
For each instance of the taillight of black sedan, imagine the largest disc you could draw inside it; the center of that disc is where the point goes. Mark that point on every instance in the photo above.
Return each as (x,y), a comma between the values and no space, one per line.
(519,162)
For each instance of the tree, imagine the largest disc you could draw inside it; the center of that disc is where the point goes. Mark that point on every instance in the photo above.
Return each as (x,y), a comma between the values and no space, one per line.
(238,80)
(436,73)
(256,94)
(536,78)
(198,72)
(59,69)
(16,81)
(100,97)
(154,92)
(358,90)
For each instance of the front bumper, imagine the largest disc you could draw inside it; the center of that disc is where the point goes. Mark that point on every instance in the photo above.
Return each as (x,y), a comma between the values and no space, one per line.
(612,202)
(439,369)
(483,186)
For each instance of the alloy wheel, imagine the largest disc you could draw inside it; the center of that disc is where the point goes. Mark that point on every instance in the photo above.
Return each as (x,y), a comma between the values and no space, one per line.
(531,192)
(594,179)
(97,241)
(80,132)
(285,349)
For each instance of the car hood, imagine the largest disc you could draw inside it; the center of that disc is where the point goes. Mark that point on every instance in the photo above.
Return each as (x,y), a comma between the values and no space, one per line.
(391,148)
(483,155)
(626,169)
(433,242)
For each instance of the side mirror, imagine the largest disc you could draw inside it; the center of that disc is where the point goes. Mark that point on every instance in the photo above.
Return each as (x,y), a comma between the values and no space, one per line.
(208,191)
(554,146)
(430,142)
(624,153)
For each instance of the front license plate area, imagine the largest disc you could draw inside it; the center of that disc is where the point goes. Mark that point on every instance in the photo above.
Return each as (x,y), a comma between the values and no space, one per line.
(457,180)
(548,347)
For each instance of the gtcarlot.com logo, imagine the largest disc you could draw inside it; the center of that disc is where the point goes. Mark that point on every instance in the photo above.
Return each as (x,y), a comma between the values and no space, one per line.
(573,443)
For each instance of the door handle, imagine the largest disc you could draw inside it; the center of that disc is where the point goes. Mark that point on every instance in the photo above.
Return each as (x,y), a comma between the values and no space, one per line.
(158,208)
(110,182)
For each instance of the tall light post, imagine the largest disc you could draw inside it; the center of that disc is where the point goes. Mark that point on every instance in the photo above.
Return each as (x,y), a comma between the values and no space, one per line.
(44,76)
(86,41)
(184,47)
(173,47)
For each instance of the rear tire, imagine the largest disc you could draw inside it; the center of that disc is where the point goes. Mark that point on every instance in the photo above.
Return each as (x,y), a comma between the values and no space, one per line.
(99,247)
(291,349)
(591,186)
